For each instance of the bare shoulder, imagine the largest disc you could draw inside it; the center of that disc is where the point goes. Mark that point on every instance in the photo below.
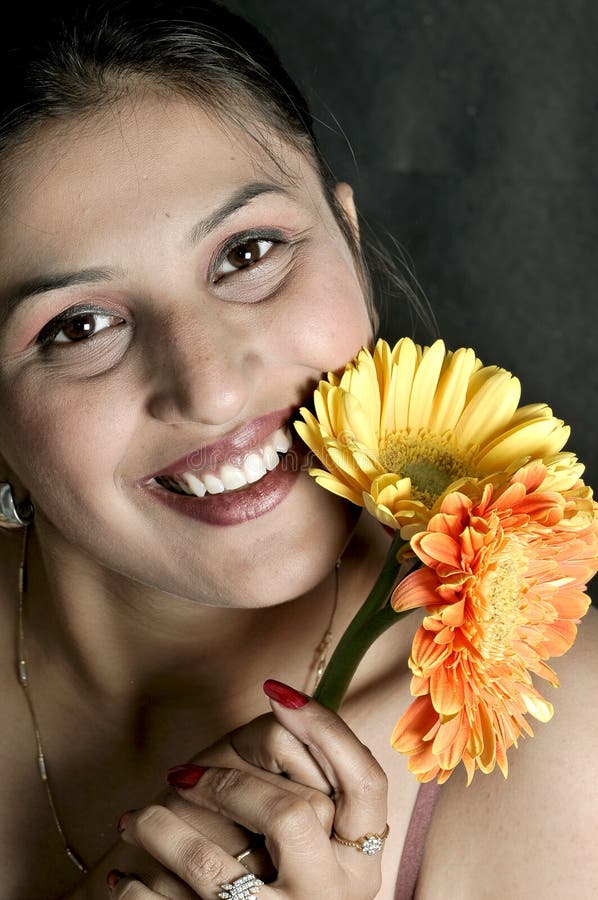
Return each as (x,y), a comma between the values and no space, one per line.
(533,835)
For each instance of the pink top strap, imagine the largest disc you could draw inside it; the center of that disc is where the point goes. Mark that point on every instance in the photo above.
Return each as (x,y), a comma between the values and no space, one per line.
(415,840)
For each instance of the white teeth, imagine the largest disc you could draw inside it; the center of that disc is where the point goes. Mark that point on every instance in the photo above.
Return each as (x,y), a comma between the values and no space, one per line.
(229,477)
(281,440)
(232,477)
(254,467)
(194,484)
(213,484)
(271,457)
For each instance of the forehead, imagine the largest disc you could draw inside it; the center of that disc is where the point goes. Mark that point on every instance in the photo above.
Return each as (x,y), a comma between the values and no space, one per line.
(147,156)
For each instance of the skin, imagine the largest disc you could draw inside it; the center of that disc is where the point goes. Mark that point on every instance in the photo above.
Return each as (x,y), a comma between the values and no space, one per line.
(129,625)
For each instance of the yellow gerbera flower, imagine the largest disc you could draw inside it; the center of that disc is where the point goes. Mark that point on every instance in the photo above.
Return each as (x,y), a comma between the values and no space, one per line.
(402,427)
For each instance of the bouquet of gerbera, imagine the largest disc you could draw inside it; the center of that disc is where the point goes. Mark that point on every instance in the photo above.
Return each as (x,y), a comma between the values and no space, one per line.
(495,534)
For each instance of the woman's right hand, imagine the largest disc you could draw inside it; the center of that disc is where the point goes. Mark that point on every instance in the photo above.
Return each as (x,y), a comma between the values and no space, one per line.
(184,846)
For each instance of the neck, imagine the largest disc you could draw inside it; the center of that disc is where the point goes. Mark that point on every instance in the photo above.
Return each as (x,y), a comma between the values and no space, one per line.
(108,636)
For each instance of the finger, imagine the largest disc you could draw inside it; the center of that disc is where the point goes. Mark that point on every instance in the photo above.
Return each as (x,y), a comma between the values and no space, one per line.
(182,849)
(359,782)
(294,836)
(127,887)
(265,744)
(228,833)
(231,836)
(160,880)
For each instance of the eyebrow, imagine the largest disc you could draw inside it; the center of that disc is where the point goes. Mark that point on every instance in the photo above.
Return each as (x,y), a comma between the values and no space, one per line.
(239,199)
(42,284)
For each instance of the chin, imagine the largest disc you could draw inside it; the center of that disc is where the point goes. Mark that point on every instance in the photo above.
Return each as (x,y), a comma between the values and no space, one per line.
(262,562)
(280,560)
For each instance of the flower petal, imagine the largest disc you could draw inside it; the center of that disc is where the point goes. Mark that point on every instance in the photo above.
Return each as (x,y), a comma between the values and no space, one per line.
(338,487)
(424,386)
(451,741)
(401,384)
(490,409)
(433,547)
(449,400)
(446,691)
(417,589)
(536,439)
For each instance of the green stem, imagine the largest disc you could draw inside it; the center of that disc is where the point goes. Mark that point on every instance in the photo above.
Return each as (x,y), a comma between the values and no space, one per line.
(372,619)
(385,582)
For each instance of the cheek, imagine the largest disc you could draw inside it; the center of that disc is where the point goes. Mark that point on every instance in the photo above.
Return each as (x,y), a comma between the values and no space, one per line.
(68,440)
(326,322)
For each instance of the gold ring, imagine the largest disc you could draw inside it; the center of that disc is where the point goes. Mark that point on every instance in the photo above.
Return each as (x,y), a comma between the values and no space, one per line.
(241,856)
(370,843)
(257,842)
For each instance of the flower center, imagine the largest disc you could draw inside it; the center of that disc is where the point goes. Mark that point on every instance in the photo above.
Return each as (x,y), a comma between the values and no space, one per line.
(431,461)
(503,588)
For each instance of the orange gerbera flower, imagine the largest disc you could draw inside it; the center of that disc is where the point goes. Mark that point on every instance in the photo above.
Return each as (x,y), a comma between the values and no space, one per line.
(503,584)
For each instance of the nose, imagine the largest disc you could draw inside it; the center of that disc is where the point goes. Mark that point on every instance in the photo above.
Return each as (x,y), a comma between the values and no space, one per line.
(202,372)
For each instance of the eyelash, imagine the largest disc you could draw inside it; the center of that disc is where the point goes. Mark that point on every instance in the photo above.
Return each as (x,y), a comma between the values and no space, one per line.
(46,337)
(245,237)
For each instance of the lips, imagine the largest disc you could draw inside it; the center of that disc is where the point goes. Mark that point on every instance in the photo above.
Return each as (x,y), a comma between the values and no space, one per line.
(231,447)
(231,507)
(235,507)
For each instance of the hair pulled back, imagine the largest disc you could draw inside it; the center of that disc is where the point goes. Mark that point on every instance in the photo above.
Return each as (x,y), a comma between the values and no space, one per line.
(70,61)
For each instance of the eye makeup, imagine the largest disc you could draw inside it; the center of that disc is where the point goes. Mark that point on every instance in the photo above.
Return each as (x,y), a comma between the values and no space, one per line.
(48,333)
(273,236)
(264,265)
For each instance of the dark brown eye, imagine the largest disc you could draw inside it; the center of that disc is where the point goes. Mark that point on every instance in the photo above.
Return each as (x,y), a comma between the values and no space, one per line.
(244,254)
(79,327)
(76,328)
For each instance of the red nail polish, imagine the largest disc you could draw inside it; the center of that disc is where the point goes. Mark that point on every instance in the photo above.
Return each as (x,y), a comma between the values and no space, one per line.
(122,822)
(113,877)
(185,776)
(285,695)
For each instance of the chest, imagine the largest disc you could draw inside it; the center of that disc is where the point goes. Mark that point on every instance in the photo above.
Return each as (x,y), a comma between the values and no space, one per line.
(95,774)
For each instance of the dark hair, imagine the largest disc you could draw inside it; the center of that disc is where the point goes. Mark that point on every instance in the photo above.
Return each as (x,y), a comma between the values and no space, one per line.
(68,61)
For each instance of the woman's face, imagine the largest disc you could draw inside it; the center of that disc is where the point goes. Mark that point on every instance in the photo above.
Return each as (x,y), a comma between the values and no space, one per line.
(212,288)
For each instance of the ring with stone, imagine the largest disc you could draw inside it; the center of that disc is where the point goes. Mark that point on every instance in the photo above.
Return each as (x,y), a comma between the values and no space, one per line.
(370,843)
(244,888)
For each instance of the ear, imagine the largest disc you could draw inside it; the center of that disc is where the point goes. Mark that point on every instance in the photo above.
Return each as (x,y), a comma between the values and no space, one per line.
(20,492)
(344,195)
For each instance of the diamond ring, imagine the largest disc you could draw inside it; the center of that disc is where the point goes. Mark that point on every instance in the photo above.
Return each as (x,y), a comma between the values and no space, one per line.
(370,843)
(244,888)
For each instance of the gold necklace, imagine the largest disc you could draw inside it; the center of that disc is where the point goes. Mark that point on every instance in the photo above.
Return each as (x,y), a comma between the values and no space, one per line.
(320,652)
(24,682)
(319,662)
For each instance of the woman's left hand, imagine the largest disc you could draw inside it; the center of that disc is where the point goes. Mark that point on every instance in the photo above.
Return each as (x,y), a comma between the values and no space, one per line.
(293,778)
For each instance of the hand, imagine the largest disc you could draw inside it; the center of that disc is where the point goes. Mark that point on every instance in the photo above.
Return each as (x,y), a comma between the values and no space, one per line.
(263,747)
(193,838)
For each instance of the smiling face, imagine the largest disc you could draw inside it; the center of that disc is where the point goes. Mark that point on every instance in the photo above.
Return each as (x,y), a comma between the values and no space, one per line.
(211,288)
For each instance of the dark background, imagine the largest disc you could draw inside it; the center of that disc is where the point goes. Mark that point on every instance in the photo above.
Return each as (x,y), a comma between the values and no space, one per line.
(468,131)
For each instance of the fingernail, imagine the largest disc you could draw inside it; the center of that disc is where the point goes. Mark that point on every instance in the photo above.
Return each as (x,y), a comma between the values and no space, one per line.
(185,776)
(113,877)
(122,822)
(285,695)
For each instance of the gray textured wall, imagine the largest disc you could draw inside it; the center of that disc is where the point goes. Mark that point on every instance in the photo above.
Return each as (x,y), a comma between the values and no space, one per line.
(473,127)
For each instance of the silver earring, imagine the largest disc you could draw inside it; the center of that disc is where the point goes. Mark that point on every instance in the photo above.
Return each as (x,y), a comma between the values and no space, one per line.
(11,515)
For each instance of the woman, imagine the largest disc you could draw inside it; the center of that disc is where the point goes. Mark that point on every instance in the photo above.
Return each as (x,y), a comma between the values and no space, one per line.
(178,269)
